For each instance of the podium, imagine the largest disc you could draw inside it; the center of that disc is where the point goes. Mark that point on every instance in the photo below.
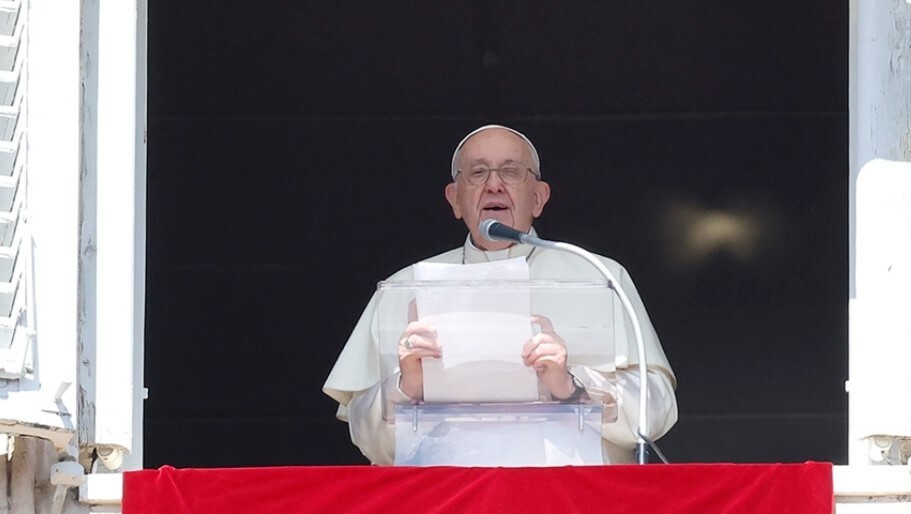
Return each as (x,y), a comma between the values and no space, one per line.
(483,406)
(505,435)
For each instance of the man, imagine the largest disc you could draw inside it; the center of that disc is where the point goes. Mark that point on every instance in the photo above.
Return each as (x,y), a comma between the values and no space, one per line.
(496,175)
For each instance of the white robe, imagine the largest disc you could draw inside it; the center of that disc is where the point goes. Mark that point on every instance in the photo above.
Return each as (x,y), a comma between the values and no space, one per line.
(365,397)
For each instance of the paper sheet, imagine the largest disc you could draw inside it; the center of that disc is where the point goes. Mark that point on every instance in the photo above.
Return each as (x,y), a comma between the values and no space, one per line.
(482,332)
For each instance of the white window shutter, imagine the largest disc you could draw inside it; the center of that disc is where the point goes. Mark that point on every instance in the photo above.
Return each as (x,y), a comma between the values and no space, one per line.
(16,306)
(39,218)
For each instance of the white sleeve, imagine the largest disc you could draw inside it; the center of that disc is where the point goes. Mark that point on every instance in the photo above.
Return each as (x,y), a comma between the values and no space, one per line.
(371,420)
(662,402)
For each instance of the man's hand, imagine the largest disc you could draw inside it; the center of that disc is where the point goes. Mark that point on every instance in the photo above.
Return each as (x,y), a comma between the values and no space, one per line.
(418,341)
(546,352)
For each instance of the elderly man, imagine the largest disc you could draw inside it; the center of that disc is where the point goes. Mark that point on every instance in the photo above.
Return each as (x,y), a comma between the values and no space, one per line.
(496,175)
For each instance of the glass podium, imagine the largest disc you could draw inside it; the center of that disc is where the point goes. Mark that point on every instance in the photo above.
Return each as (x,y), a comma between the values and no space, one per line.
(483,406)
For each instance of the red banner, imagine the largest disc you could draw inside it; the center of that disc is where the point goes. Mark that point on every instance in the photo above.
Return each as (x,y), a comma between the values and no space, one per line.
(678,488)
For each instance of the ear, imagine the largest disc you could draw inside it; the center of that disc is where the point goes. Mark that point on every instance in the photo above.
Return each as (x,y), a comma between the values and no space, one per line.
(542,195)
(452,196)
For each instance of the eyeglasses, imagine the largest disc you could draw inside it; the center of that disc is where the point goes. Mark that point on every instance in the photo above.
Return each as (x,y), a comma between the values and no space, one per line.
(509,173)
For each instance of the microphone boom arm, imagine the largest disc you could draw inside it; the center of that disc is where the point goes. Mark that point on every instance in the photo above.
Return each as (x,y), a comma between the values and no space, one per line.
(641,440)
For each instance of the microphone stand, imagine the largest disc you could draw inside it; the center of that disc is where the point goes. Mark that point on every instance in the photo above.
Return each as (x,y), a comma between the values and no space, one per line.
(642,442)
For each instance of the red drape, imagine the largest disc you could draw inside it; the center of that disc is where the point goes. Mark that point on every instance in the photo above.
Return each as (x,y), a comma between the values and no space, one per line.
(678,488)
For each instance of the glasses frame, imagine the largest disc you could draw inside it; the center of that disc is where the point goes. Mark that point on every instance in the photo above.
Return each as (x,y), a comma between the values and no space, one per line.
(528,171)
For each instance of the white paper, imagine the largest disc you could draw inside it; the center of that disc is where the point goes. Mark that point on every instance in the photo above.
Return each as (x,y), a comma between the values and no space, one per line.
(482,332)
(431,302)
(507,269)
(479,381)
(481,336)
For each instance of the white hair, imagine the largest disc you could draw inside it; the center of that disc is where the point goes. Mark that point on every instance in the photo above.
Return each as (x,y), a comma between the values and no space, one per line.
(534,151)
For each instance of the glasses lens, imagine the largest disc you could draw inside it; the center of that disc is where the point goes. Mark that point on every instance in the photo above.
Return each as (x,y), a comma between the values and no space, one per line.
(477,175)
(511,174)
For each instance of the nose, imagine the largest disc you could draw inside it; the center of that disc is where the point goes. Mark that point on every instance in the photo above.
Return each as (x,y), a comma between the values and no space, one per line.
(493,183)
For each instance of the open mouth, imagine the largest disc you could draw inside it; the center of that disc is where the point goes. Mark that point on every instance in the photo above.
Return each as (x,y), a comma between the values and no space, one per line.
(496,207)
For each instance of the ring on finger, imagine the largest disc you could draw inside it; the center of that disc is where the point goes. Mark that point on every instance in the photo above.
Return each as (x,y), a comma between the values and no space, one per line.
(408,344)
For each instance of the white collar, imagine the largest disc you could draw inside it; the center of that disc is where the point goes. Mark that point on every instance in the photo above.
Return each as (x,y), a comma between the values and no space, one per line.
(471,254)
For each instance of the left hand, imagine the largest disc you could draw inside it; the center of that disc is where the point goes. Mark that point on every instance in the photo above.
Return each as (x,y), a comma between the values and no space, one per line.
(546,352)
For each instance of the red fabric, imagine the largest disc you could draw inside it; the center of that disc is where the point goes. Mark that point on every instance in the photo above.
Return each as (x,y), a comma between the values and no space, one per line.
(678,488)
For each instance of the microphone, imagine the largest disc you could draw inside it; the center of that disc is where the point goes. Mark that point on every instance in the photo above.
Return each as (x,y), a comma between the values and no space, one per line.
(493,230)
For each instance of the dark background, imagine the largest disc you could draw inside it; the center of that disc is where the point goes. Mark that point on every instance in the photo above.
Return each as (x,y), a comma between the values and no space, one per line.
(297,154)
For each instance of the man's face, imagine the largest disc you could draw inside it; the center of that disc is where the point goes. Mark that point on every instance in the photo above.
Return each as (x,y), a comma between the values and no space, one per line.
(516,205)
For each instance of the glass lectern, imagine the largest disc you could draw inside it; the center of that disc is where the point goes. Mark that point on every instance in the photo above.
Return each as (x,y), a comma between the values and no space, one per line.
(482,406)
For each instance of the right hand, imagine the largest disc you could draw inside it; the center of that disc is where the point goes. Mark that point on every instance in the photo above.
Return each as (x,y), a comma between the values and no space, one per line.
(418,341)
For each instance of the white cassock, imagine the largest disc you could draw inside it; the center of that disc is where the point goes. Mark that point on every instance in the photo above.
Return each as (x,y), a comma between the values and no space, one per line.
(365,397)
